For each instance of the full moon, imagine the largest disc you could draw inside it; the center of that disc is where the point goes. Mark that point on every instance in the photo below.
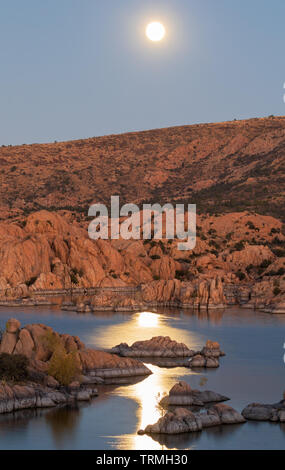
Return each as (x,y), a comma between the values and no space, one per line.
(155,31)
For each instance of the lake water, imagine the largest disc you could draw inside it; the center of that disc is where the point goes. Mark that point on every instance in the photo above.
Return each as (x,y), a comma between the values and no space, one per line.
(253,370)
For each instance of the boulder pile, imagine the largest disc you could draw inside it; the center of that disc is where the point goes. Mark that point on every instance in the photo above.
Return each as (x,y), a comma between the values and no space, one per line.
(182,420)
(182,394)
(165,347)
(260,412)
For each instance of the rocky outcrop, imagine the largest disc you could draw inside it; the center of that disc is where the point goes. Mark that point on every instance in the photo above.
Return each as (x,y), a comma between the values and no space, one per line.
(35,342)
(206,294)
(33,395)
(276,308)
(158,346)
(51,252)
(260,412)
(182,394)
(182,420)
(165,347)
(208,357)
(113,302)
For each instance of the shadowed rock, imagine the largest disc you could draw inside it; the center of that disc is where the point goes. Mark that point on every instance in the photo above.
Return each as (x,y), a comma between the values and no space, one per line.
(261,412)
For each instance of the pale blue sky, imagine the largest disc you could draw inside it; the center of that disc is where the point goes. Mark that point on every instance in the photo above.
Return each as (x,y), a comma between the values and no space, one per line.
(80,68)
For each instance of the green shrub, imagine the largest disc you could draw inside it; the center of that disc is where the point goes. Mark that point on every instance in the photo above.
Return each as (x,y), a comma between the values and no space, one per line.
(265,264)
(249,268)
(31,281)
(239,246)
(51,341)
(63,366)
(13,367)
(279,252)
(73,277)
(276,291)
(240,275)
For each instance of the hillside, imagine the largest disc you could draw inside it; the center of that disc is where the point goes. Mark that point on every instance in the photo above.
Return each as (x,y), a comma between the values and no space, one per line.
(224,167)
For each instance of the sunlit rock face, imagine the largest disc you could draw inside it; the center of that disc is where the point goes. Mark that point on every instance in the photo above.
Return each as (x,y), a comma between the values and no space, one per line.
(182,420)
(182,394)
(159,346)
(35,342)
(51,251)
(164,347)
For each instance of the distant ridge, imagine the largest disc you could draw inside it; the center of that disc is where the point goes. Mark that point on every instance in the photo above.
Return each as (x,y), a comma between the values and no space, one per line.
(222,167)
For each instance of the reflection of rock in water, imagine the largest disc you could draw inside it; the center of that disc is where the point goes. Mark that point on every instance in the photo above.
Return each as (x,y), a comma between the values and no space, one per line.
(177,441)
(220,432)
(215,316)
(188,441)
(63,421)
(167,362)
(19,418)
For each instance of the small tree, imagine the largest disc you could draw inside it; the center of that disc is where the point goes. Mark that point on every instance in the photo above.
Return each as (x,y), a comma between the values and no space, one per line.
(63,366)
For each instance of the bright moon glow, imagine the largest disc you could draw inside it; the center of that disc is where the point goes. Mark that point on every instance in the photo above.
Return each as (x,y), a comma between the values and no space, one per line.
(155,31)
(148,320)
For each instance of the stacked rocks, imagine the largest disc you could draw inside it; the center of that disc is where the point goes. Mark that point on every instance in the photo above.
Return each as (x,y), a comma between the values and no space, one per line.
(165,347)
(208,357)
(182,394)
(158,346)
(182,420)
(259,412)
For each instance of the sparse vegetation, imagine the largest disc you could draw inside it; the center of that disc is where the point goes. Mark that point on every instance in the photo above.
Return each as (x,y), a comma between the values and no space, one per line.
(63,365)
(13,367)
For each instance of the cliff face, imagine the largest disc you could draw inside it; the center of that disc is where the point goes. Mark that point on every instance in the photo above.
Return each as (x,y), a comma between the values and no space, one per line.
(52,251)
(230,166)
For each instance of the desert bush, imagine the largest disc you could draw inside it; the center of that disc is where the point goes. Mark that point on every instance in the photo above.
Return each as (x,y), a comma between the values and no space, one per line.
(73,276)
(276,291)
(51,341)
(279,253)
(31,281)
(265,264)
(13,367)
(239,246)
(249,268)
(63,366)
(240,275)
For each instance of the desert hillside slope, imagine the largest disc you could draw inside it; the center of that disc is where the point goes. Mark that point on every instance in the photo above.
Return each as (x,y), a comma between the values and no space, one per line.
(224,167)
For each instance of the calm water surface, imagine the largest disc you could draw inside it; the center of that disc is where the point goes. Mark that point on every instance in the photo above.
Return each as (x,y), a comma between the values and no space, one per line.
(252,370)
